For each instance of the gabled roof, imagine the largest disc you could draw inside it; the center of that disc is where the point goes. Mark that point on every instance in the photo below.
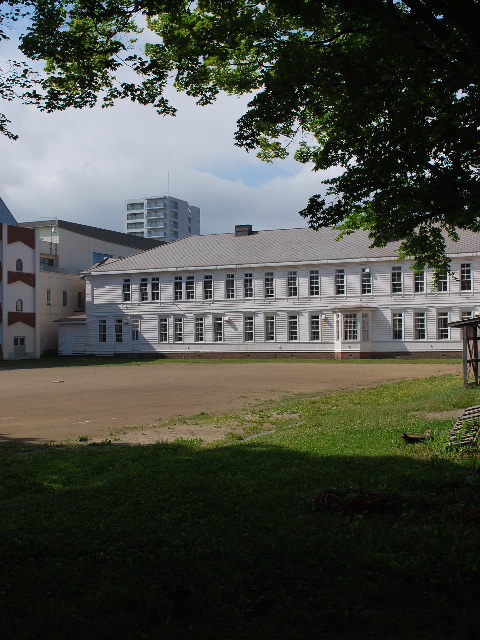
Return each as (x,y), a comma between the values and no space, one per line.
(116,237)
(281,246)
(5,215)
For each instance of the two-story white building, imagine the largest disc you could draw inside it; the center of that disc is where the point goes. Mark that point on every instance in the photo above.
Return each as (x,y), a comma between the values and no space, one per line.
(291,291)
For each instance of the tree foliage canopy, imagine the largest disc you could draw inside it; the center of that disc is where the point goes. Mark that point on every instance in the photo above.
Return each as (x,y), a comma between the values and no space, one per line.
(386,90)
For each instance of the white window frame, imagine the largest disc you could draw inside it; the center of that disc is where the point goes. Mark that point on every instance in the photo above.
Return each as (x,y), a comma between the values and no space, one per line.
(126,290)
(419,282)
(249,328)
(155,289)
(135,327)
(102,331)
(143,290)
(340,282)
(366,281)
(248,290)
(178,329)
(314,283)
(443,283)
(365,326)
(118,329)
(443,330)
(208,287)
(292,284)
(270,327)
(293,333)
(218,329)
(199,329)
(397,282)
(350,327)
(163,329)
(269,285)
(315,330)
(230,286)
(178,288)
(466,276)
(397,325)
(417,326)
(189,288)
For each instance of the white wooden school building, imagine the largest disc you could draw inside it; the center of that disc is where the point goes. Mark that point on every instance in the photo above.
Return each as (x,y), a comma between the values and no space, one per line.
(276,293)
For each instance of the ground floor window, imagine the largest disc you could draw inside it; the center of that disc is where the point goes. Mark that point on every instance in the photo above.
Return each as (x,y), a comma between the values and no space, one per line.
(199,329)
(315,328)
(365,327)
(269,328)
(102,330)
(218,329)
(248,333)
(350,330)
(292,328)
(442,325)
(178,329)
(135,330)
(163,329)
(420,328)
(397,326)
(118,330)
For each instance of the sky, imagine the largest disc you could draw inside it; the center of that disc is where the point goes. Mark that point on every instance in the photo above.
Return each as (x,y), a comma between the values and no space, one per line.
(80,165)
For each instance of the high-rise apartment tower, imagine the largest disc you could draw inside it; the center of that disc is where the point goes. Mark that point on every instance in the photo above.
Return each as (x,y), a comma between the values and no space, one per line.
(162,217)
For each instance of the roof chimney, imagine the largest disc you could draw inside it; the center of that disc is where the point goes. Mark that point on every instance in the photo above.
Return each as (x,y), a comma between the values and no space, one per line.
(243,230)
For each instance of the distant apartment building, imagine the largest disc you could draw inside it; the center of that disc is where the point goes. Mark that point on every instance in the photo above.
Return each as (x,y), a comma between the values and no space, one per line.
(164,218)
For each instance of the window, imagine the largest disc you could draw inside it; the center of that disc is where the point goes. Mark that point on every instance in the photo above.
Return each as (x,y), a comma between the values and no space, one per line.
(190,288)
(64,298)
(365,327)
(218,329)
(420,332)
(269,328)
(442,282)
(350,331)
(339,282)
(199,329)
(248,285)
(127,291)
(314,283)
(47,262)
(143,290)
(19,305)
(366,281)
(465,276)
(155,289)
(397,280)
(292,284)
(19,265)
(118,330)
(102,330)
(419,282)
(79,300)
(292,329)
(135,330)
(269,290)
(442,326)
(208,288)
(163,329)
(178,329)
(397,326)
(248,334)
(49,297)
(230,286)
(178,288)
(315,328)
(466,315)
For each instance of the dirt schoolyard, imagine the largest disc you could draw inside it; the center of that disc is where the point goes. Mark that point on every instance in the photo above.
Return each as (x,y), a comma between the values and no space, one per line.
(131,401)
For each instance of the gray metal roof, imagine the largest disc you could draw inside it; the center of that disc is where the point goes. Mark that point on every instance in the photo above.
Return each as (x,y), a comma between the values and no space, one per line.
(116,237)
(281,246)
(5,215)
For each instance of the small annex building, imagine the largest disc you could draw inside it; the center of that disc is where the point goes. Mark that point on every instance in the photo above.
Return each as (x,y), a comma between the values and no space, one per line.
(275,293)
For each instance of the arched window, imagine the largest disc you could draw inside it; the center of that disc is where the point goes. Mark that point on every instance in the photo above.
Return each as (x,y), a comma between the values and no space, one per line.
(19,305)
(19,265)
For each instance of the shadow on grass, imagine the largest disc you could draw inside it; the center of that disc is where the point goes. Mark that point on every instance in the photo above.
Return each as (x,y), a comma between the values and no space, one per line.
(175,541)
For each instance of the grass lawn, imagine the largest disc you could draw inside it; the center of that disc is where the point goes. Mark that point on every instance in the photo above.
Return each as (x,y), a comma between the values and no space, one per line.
(236,541)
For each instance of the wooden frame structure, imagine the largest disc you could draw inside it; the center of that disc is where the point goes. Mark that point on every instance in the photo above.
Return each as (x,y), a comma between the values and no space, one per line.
(470,335)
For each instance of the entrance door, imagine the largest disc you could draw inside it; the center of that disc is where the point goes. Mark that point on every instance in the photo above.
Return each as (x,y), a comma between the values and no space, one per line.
(19,347)
(67,346)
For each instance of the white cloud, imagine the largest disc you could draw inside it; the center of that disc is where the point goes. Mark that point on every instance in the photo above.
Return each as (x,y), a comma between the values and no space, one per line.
(81,165)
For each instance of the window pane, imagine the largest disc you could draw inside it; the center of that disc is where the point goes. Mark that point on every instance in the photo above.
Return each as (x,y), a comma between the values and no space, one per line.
(127,291)
(163,329)
(293,328)
(118,330)
(442,325)
(420,327)
(199,329)
(143,289)
(230,286)
(155,289)
(315,328)
(314,283)
(397,282)
(442,283)
(178,288)
(420,282)
(190,288)
(218,329)
(366,281)
(339,282)
(292,284)
(269,328)
(102,330)
(208,287)
(350,330)
(248,285)
(248,329)
(466,277)
(268,287)
(178,329)
(397,326)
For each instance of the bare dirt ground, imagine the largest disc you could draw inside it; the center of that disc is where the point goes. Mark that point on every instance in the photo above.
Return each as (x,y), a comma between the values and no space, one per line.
(129,402)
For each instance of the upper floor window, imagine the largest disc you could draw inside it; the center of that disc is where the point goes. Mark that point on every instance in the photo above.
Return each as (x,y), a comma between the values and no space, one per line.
(419,282)
(126,291)
(465,276)
(155,289)
(178,288)
(397,280)
(292,284)
(248,285)
(230,286)
(208,288)
(314,283)
(269,290)
(19,265)
(143,290)
(339,282)
(366,281)
(190,288)
(19,305)
(442,282)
